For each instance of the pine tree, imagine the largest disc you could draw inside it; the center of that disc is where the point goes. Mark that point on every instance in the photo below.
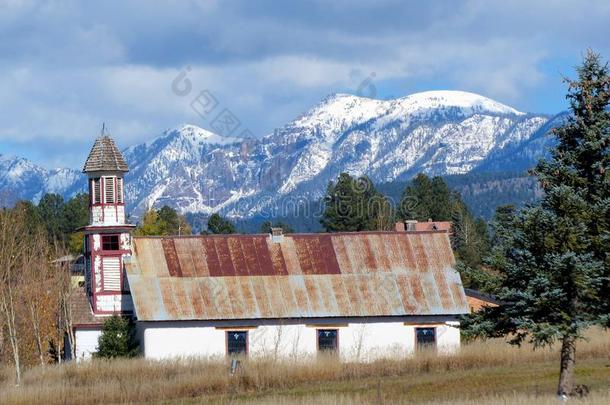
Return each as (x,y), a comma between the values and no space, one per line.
(220,225)
(172,223)
(354,204)
(557,267)
(427,198)
(117,338)
(50,208)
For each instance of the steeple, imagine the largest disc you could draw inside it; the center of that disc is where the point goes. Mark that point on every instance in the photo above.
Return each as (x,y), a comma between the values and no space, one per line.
(105,156)
(107,237)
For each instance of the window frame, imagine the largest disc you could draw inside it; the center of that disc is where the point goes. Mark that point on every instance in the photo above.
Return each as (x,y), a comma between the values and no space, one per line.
(427,346)
(118,242)
(327,351)
(247,342)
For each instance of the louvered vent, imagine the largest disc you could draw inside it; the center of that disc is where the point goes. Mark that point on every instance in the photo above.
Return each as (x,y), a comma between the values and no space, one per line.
(97,191)
(119,190)
(109,190)
(111,273)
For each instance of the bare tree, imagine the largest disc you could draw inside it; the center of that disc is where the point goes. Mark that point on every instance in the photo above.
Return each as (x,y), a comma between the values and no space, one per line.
(277,340)
(35,292)
(359,343)
(13,239)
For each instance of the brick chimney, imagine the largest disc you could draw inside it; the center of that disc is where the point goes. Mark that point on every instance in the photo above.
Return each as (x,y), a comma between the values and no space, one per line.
(410,225)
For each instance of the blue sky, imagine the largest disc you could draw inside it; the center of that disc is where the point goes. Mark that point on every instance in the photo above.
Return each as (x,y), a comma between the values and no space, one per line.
(66,66)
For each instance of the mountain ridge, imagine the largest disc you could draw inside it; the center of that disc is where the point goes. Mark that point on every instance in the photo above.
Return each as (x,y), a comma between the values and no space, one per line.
(196,170)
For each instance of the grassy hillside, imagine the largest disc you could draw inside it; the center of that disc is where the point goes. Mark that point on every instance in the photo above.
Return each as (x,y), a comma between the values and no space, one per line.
(483,372)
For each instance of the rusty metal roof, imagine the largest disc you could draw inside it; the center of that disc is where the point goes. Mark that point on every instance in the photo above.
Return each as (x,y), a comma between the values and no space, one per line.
(105,156)
(225,277)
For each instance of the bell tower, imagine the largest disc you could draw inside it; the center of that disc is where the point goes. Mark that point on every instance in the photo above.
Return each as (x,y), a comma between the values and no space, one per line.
(108,235)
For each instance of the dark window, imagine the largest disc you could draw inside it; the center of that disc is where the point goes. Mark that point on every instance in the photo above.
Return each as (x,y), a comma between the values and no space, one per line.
(110,242)
(327,339)
(237,342)
(426,337)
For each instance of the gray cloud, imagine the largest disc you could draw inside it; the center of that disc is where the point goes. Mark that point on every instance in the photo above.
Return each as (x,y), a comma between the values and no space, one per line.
(67,66)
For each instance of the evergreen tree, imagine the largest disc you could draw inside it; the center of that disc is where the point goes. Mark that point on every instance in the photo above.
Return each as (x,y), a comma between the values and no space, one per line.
(117,338)
(355,205)
(557,268)
(440,204)
(75,214)
(220,225)
(172,223)
(426,198)
(50,209)
(501,224)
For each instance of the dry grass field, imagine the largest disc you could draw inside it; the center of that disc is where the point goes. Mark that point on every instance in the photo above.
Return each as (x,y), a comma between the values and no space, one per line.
(483,372)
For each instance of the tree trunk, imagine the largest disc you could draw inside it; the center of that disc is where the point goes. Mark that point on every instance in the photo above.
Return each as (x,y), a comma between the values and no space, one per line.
(36,327)
(568,361)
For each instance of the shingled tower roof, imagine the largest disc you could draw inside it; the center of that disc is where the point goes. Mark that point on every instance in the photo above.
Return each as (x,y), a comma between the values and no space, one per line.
(105,156)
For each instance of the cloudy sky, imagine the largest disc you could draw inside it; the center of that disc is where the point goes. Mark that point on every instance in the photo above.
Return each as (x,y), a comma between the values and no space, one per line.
(66,67)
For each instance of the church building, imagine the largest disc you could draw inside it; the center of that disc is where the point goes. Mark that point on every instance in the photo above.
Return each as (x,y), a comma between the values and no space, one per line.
(360,295)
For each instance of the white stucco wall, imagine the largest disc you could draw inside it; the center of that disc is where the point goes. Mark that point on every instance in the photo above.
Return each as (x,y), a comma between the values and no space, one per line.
(114,303)
(86,341)
(357,341)
(107,215)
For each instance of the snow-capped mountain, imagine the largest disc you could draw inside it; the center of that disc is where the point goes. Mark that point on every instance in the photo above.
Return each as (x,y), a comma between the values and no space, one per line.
(437,132)
(21,179)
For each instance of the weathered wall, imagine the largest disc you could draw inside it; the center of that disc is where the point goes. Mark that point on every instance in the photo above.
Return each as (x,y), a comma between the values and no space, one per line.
(357,341)
(107,215)
(108,302)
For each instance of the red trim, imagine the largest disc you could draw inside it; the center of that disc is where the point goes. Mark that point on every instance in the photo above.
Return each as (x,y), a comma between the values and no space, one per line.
(107,229)
(87,326)
(106,204)
(103,194)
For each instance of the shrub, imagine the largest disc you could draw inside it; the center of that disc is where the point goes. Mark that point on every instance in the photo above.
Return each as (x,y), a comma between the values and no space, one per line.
(118,338)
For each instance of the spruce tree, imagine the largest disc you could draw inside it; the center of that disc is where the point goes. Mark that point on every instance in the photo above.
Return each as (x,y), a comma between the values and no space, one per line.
(354,204)
(117,338)
(220,225)
(426,198)
(556,269)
